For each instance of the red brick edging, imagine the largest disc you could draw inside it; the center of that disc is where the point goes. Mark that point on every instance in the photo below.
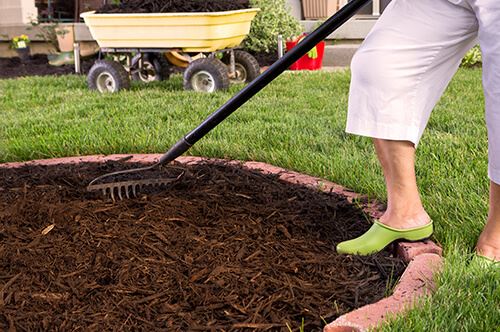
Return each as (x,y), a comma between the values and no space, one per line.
(423,258)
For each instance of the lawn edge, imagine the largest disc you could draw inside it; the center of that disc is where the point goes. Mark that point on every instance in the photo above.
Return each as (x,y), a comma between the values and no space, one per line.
(424,258)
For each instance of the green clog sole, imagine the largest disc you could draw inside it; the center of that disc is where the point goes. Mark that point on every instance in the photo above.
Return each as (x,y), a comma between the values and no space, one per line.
(379,236)
(484,262)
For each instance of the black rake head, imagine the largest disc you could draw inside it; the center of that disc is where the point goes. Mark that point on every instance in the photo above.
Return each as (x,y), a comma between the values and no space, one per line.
(128,189)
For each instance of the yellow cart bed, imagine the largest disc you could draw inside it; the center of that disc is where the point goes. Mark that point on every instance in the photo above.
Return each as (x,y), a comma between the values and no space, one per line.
(145,47)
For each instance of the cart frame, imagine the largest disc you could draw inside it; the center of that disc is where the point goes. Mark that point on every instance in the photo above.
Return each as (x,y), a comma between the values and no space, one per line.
(205,72)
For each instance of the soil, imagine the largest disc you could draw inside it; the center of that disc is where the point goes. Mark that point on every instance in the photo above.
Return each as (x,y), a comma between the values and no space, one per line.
(221,249)
(265,59)
(38,65)
(174,6)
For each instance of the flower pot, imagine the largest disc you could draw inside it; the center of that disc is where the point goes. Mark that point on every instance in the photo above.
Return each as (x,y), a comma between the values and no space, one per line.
(23,53)
(319,9)
(308,62)
(65,37)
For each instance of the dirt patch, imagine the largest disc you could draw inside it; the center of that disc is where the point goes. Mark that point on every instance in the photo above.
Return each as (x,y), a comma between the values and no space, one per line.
(222,249)
(266,59)
(174,6)
(38,65)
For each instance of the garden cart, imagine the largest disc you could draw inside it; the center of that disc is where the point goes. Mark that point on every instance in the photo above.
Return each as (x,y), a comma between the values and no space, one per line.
(186,142)
(147,47)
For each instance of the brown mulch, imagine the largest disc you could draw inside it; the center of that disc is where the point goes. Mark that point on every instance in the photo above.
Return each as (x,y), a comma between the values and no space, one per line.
(38,65)
(174,6)
(266,59)
(221,249)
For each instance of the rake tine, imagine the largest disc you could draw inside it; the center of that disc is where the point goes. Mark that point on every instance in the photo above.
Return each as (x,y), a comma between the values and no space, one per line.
(115,190)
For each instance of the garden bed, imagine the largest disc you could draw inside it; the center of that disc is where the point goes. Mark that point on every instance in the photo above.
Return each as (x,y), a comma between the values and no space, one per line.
(265,59)
(38,65)
(224,248)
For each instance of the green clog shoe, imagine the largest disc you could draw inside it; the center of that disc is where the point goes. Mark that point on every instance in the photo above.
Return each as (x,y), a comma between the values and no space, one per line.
(63,58)
(484,262)
(379,236)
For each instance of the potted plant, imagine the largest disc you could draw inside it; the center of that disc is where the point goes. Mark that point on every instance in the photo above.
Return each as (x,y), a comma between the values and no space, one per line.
(21,45)
(313,60)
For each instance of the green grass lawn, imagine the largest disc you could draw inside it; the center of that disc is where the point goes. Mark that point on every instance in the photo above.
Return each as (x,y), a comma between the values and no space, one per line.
(297,123)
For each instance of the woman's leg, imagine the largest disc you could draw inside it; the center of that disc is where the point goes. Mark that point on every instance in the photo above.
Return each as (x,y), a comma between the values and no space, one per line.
(488,16)
(405,217)
(404,207)
(398,75)
(489,241)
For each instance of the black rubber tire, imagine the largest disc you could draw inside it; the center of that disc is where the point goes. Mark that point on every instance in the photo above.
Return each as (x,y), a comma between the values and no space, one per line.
(247,61)
(216,70)
(111,69)
(160,64)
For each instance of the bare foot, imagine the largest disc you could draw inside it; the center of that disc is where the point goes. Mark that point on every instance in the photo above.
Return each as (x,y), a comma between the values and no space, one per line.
(488,245)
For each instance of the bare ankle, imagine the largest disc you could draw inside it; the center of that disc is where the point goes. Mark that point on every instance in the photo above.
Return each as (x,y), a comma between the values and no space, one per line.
(488,246)
(405,219)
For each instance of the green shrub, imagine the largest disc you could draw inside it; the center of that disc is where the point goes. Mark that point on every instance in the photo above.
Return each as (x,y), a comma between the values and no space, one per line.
(274,19)
(473,58)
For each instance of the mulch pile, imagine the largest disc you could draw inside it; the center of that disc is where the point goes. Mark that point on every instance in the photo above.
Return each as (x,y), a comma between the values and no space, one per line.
(266,59)
(38,65)
(174,6)
(221,249)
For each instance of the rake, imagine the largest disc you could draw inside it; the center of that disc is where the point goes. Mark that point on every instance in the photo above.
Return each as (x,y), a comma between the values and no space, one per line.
(127,188)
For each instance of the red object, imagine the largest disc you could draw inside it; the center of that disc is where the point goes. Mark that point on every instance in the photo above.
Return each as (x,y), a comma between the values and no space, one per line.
(306,62)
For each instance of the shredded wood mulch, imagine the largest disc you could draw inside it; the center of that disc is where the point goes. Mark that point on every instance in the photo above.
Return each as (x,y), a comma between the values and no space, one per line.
(221,249)
(266,59)
(174,6)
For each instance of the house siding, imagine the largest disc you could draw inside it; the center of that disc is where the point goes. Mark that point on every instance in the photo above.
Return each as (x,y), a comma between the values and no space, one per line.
(15,12)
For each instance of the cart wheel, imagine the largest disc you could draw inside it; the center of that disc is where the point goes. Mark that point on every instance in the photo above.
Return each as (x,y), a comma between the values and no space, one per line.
(247,67)
(108,76)
(154,68)
(206,75)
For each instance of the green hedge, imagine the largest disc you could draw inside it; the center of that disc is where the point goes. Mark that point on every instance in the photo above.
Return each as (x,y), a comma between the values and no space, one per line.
(473,58)
(273,19)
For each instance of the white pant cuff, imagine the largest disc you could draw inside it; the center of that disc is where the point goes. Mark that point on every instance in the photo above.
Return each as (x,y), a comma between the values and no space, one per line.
(384,131)
(494,175)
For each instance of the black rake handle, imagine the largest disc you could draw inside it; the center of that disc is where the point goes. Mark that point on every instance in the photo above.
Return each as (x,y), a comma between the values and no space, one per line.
(323,31)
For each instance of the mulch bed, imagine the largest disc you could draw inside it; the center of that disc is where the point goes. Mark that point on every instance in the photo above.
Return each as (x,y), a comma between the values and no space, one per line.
(38,65)
(221,249)
(266,59)
(174,6)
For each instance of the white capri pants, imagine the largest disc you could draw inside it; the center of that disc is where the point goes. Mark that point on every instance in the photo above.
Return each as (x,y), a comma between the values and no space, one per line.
(407,60)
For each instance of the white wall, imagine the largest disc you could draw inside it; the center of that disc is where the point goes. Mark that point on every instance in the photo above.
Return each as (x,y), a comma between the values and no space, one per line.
(17,12)
(296,8)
